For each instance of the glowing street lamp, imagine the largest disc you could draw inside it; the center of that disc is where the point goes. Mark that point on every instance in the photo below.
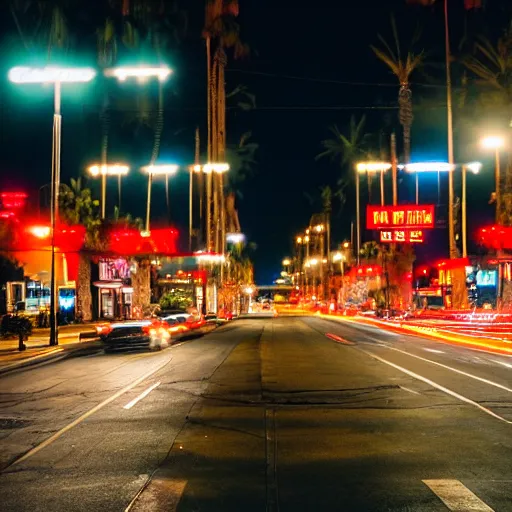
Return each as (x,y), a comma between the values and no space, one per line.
(103,171)
(210,169)
(473,167)
(496,143)
(362,167)
(421,167)
(235,238)
(373,167)
(56,76)
(287,262)
(158,170)
(140,73)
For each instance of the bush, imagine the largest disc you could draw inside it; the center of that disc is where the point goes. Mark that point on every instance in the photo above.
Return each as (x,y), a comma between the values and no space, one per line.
(16,325)
(176,299)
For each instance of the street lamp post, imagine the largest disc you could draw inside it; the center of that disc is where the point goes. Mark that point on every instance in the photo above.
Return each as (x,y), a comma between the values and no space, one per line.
(105,170)
(474,167)
(496,143)
(210,169)
(362,167)
(156,170)
(56,76)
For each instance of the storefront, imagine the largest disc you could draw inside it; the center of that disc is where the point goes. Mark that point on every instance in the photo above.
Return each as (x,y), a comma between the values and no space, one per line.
(114,289)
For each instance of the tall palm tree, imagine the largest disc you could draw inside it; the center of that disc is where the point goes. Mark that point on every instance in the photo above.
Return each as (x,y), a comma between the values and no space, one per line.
(491,65)
(221,32)
(402,66)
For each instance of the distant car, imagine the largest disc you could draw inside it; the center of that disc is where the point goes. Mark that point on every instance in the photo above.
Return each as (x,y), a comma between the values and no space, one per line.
(137,334)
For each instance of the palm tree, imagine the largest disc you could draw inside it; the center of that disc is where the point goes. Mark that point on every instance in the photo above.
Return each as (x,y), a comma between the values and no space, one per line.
(346,150)
(221,32)
(402,66)
(76,206)
(491,65)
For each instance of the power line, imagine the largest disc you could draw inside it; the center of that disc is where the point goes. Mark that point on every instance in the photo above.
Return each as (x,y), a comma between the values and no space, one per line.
(327,80)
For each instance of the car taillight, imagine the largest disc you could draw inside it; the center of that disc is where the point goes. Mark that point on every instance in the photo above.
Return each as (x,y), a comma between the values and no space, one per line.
(104,329)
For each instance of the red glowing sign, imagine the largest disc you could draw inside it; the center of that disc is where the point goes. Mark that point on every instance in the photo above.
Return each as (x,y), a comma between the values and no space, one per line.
(409,236)
(404,217)
(13,200)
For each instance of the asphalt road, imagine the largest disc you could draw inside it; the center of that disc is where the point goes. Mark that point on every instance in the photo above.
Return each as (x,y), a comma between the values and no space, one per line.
(284,414)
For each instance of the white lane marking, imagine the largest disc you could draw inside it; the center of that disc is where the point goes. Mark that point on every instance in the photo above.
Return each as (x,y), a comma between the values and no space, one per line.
(435,351)
(144,394)
(466,374)
(506,365)
(456,496)
(410,390)
(438,386)
(84,416)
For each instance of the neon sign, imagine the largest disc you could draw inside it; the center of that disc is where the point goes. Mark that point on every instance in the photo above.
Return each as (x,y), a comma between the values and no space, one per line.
(405,217)
(409,236)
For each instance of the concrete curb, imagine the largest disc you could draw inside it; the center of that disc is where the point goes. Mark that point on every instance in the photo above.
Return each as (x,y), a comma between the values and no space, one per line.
(53,353)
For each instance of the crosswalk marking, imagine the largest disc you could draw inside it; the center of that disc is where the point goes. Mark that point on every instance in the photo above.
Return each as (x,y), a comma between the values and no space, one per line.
(456,496)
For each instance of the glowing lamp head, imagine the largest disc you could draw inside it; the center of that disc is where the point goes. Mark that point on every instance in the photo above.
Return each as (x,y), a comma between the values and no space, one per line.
(235,238)
(299,239)
(474,167)
(249,290)
(493,142)
(51,74)
(373,166)
(429,167)
(338,256)
(161,169)
(217,168)
(287,262)
(141,73)
(108,170)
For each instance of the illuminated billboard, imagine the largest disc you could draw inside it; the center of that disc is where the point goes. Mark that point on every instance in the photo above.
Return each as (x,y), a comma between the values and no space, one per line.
(408,236)
(400,217)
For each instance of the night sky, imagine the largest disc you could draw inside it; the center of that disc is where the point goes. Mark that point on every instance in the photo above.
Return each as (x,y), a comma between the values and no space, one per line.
(310,67)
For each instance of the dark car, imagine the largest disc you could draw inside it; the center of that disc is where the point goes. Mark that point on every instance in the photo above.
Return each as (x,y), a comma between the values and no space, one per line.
(137,334)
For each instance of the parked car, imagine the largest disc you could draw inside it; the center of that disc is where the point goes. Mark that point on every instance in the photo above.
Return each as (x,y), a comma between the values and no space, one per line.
(130,335)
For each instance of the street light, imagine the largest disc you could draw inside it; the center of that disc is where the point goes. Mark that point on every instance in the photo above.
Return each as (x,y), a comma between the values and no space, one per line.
(158,170)
(56,76)
(141,73)
(339,256)
(105,170)
(421,167)
(372,167)
(362,167)
(473,167)
(209,169)
(496,143)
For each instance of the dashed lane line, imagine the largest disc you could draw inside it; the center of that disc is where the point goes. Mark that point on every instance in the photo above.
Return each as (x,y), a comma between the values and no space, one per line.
(86,415)
(456,496)
(143,395)
(438,386)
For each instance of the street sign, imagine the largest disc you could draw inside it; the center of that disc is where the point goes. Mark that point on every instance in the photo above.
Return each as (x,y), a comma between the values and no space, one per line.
(400,217)
(408,236)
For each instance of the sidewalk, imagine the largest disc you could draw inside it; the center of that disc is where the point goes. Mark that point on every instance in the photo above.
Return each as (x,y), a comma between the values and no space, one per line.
(489,341)
(38,349)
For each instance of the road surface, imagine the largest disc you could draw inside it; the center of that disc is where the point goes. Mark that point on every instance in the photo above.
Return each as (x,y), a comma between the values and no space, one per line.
(284,414)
